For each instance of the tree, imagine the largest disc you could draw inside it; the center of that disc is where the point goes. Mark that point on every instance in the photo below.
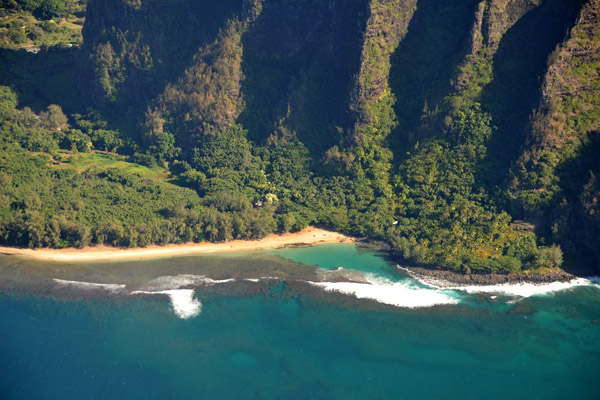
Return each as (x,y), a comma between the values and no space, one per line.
(549,257)
(162,145)
(52,8)
(8,102)
(54,118)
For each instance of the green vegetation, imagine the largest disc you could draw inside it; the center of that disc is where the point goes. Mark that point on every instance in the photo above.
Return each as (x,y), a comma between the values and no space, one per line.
(41,23)
(56,191)
(407,121)
(556,174)
(454,159)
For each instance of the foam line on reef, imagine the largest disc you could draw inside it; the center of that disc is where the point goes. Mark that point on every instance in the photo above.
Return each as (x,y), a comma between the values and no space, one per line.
(182,300)
(181,280)
(176,287)
(111,287)
(262,278)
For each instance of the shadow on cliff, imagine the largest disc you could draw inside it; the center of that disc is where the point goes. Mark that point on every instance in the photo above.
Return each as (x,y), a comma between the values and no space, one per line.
(154,43)
(574,218)
(425,62)
(299,63)
(42,79)
(519,66)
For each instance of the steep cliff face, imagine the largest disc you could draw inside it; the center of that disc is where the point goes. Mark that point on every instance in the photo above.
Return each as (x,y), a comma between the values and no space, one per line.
(283,65)
(133,47)
(557,169)
(300,59)
(492,19)
(501,15)
(372,98)
(386,27)
(329,71)
(206,99)
(425,62)
(570,87)
(518,66)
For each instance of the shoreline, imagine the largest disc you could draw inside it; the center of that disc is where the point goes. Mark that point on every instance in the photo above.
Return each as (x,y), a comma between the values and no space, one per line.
(449,279)
(307,236)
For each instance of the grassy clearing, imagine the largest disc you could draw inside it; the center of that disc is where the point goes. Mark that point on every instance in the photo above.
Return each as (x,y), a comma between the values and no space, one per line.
(99,161)
(23,30)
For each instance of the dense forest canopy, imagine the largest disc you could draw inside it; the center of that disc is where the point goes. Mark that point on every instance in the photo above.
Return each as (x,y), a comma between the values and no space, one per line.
(464,133)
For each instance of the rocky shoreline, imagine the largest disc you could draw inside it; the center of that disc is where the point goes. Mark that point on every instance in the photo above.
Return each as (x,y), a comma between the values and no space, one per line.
(450,278)
(440,277)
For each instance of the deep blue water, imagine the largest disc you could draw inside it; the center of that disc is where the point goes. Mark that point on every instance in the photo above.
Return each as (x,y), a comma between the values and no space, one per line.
(244,344)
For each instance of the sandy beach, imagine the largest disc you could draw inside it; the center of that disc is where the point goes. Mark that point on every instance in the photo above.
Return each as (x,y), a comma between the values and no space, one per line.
(309,236)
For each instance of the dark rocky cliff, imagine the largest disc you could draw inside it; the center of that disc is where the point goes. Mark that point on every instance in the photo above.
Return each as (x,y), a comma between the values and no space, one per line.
(318,68)
(296,62)
(134,48)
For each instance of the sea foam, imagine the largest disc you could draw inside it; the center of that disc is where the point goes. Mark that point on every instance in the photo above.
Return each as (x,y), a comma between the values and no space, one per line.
(111,287)
(511,289)
(179,281)
(528,289)
(184,304)
(182,300)
(399,294)
(407,293)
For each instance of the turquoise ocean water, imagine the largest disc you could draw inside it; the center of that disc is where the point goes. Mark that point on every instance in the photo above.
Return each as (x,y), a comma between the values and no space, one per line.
(249,326)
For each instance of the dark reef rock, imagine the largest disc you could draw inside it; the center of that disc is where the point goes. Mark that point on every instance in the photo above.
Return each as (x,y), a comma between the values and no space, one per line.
(487,279)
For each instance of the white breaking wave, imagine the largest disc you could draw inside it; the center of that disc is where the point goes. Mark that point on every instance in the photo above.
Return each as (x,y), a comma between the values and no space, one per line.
(182,300)
(111,287)
(184,304)
(262,278)
(510,289)
(527,289)
(435,292)
(178,281)
(399,294)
